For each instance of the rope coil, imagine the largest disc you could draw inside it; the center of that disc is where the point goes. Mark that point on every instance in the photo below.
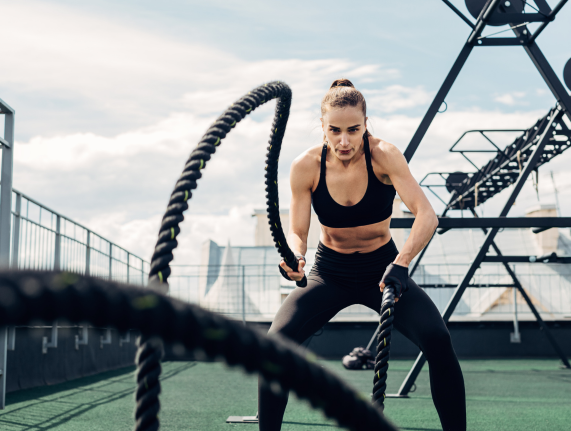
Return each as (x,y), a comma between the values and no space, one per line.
(147,398)
(384,346)
(26,296)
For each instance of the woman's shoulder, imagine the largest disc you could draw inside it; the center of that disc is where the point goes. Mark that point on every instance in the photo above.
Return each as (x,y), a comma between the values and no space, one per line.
(309,159)
(383,152)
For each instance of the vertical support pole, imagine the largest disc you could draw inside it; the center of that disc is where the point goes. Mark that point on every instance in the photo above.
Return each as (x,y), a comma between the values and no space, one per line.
(142,273)
(128,266)
(57,251)
(88,254)
(5,228)
(11,338)
(244,295)
(3,357)
(515,336)
(110,260)
(16,231)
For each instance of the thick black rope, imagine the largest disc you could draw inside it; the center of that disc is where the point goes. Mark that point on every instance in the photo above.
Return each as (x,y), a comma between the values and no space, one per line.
(29,296)
(147,396)
(384,346)
(272,197)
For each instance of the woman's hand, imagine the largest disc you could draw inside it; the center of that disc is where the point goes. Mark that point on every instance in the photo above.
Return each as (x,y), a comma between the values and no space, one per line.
(382,286)
(398,276)
(294,275)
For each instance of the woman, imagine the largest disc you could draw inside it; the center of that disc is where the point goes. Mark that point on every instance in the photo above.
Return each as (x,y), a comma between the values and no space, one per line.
(351,180)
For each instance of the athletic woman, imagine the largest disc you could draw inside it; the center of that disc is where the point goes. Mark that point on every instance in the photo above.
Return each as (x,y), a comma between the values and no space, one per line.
(351,180)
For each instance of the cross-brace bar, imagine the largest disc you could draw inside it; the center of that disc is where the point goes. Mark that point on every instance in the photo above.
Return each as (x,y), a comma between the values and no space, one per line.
(500,222)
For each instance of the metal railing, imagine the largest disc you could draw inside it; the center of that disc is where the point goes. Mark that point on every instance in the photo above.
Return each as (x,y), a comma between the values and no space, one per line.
(255,292)
(44,239)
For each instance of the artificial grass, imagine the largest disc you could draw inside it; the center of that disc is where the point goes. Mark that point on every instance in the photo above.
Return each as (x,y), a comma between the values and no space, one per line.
(501,395)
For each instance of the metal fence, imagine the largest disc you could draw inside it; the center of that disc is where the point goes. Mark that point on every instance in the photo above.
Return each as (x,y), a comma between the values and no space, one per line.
(255,292)
(44,239)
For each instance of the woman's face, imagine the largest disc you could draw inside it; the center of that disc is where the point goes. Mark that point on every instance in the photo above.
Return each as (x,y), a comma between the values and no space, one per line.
(344,129)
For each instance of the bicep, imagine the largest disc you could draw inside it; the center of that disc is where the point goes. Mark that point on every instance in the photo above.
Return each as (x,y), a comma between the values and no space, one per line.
(406,186)
(300,206)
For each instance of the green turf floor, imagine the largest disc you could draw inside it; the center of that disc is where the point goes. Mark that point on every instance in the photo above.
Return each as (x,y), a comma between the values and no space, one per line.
(501,395)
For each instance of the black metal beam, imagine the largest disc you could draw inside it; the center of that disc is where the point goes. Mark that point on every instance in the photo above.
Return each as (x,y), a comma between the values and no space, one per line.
(449,81)
(437,102)
(500,41)
(489,222)
(543,6)
(528,259)
(516,18)
(460,14)
(451,286)
(547,73)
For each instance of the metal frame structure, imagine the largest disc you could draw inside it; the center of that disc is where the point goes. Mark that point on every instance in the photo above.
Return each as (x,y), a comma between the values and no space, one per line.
(499,12)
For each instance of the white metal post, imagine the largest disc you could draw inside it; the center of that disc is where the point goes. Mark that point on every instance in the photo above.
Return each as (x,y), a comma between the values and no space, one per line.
(244,295)
(515,336)
(88,254)
(110,260)
(7,144)
(16,231)
(57,249)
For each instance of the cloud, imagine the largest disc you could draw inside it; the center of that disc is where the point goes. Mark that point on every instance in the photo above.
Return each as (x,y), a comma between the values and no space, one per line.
(397,97)
(511,99)
(164,94)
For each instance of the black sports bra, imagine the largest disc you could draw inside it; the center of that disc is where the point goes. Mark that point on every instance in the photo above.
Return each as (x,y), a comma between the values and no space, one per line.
(376,205)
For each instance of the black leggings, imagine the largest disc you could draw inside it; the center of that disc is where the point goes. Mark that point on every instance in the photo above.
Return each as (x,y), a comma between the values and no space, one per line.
(337,281)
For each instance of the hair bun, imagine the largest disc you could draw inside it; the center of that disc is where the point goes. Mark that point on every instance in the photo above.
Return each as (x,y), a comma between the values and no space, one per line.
(343,82)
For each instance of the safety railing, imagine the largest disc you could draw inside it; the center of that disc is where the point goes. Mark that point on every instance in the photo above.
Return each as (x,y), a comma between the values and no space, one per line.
(44,239)
(255,292)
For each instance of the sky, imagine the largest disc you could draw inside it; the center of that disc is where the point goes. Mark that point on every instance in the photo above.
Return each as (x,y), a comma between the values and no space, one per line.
(111,98)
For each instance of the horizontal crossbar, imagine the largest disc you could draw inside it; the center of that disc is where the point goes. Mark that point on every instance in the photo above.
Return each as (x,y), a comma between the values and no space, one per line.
(516,18)
(528,259)
(488,222)
(5,143)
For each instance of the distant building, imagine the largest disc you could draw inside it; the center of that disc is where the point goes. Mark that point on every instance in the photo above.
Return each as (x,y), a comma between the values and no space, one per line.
(245,281)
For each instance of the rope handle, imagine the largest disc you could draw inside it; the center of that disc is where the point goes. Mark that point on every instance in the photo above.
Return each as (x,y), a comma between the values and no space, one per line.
(384,345)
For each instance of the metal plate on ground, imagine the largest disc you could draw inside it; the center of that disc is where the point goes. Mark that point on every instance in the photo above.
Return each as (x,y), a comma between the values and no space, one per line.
(242,420)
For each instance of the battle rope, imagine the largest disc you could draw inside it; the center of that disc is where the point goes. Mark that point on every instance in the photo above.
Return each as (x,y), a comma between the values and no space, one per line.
(147,362)
(26,296)
(384,346)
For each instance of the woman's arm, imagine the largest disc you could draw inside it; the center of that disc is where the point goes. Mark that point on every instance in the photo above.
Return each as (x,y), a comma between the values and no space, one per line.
(426,222)
(301,181)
